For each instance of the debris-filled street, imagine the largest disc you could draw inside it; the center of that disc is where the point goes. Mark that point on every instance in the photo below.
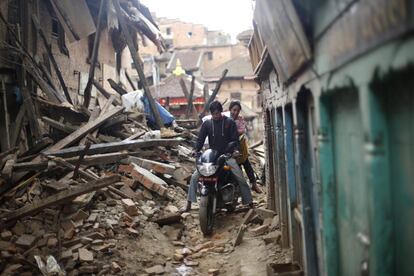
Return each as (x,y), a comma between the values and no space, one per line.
(206,137)
(113,207)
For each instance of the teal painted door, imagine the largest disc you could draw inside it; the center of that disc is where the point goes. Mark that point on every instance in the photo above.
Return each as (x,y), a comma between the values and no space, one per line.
(400,117)
(352,204)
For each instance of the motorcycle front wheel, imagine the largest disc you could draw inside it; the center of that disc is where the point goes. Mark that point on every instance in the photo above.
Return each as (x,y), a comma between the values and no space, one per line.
(206,214)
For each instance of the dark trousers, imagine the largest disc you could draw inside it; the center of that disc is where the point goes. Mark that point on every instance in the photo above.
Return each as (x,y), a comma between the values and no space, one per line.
(249,171)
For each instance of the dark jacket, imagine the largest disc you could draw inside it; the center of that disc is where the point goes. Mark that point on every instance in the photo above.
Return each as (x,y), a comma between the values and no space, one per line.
(220,133)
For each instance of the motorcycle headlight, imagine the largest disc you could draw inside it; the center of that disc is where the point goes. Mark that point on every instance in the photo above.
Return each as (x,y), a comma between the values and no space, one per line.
(207,169)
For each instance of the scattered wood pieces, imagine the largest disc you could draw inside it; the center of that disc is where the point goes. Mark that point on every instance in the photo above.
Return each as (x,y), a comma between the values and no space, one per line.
(112,147)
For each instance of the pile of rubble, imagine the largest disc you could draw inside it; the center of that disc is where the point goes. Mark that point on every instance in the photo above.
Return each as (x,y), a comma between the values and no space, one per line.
(66,202)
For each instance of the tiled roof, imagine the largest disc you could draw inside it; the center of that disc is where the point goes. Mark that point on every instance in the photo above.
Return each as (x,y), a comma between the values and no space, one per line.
(190,60)
(238,67)
(170,87)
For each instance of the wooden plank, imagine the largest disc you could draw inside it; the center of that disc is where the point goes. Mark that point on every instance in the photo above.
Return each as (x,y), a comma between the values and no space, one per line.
(18,125)
(130,81)
(117,87)
(58,125)
(5,125)
(52,58)
(84,130)
(89,160)
(104,109)
(135,136)
(40,145)
(152,165)
(105,93)
(59,198)
(95,50)
(114,147)
(138,64)
(94,115)
(78,163)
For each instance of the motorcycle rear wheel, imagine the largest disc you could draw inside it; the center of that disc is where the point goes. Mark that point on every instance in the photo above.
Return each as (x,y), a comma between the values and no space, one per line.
(206,214)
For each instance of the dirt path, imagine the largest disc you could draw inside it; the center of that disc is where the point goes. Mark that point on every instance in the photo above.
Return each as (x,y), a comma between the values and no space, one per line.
(181,249)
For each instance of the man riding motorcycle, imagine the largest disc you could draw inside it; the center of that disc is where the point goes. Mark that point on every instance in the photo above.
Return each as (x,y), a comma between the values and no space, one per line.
(220,131)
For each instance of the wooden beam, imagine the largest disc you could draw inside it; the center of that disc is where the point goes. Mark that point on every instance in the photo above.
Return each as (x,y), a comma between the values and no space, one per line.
(95,50)
(18,125)
(190,105)
(215,91)
(135,136)
(52,58)
(5,125)
(187,96)
(105,93)
(40,145)
(130,81)
(58,125)
(84,130)
(89,160)
(59,198)
(94,115)
(114,147)
(152,165)
(104,109)
(117,87)
(80,159)
(138,64)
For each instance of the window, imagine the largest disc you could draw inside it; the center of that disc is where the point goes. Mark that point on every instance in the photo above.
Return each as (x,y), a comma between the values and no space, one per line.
(168,31)
(235,96)
(190,34)
(210,55)
(55,28)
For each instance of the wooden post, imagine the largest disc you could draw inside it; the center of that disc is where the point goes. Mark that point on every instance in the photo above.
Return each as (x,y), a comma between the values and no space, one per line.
(5,145)
(190,104)
(130,81)
(187,96)
(117,87)
(215,91)
(95,50)
(137,63)
(52,58)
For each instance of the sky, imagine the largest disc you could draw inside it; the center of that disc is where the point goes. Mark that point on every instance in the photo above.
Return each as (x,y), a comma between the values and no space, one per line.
(231,16)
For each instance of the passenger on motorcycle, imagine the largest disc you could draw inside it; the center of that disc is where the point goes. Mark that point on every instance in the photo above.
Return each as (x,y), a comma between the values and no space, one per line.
(243,160)
(220,131)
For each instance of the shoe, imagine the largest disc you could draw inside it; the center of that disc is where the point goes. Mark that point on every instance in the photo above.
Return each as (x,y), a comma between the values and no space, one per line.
(256,189)
(186,209)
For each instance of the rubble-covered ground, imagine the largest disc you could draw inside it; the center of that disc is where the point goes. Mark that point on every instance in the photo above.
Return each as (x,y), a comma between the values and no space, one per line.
(101,197)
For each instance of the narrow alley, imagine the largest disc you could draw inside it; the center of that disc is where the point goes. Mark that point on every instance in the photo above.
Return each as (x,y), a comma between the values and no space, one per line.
(195,137)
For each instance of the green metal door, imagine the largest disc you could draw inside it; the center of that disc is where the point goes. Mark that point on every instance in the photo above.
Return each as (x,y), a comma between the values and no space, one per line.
(400,119)
(352,204)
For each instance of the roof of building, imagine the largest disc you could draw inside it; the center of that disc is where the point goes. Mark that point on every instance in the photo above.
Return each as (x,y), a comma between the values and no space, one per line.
(170,87)
(190,60)
(245,35)
(239,67)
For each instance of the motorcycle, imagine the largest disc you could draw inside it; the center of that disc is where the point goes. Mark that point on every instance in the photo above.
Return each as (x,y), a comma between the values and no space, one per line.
(218,187)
